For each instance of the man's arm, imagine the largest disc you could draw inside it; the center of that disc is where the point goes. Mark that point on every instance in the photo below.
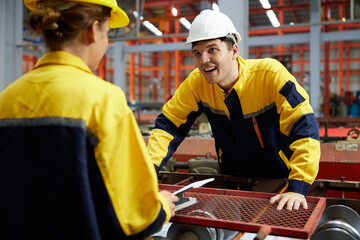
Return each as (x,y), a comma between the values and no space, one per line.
(298,122)
(173,124)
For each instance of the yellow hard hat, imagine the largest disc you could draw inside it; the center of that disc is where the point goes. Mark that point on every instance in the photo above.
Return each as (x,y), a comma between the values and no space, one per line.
(118,17)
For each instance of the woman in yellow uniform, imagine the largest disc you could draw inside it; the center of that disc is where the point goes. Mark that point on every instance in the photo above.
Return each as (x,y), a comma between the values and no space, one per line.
(73,162)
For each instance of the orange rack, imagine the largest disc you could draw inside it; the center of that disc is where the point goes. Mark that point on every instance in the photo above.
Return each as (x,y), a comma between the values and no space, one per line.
(247,211)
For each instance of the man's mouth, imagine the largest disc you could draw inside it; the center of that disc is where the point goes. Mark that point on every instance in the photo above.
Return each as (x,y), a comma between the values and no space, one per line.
(209,69)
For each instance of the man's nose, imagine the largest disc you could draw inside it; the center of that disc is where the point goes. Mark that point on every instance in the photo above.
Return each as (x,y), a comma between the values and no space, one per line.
(205,57)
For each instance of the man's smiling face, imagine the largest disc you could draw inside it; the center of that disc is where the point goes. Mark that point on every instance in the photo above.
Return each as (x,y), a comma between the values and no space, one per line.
(216,62)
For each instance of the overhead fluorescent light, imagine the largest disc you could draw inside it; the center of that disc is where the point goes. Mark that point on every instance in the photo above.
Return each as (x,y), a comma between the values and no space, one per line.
(185,23)
(152,28)
(265,4)
(135,13)
(174,11)
(148,25)
(273,19)
(270,13)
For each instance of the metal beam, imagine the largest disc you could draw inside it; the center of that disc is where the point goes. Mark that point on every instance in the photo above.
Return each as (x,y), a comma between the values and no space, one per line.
(315,53)
(119,64)
(341,36)
(284,39)
(238,12)
(254,41)
(11,23)
(162,3)
(156,47)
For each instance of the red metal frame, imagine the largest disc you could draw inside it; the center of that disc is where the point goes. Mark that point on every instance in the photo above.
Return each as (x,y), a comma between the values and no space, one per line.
(247,211)
(341,46)
(173,75)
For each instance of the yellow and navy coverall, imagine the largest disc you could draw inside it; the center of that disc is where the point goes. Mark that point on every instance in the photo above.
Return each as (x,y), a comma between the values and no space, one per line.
(73,162)
(263,127)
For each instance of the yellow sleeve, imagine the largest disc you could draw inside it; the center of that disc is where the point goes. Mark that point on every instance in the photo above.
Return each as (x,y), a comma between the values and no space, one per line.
(298,121)
(127,171)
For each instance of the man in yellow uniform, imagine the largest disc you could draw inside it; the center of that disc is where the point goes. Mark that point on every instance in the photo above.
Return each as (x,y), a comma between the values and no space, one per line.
(262,122)
(73,162)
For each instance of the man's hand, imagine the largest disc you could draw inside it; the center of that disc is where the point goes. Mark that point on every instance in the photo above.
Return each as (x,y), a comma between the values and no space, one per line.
(291,199)
(171,199)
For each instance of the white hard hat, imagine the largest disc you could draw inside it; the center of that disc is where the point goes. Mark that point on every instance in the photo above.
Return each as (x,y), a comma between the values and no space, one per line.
(210,24)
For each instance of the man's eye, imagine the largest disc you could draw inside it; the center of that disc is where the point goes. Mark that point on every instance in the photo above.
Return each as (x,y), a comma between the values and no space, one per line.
(212,50)
(196,54)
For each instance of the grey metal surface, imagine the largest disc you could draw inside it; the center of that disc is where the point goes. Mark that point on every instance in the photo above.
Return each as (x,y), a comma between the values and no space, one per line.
(338,222)
(341,212)
(335,225)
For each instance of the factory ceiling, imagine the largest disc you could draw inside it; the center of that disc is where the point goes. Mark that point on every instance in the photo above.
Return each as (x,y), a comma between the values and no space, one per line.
(293,12)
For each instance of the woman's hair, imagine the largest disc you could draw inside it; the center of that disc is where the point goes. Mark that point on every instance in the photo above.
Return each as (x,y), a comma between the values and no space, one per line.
(58,27)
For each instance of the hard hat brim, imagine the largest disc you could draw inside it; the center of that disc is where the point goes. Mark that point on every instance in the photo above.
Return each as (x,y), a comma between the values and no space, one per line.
(118,18)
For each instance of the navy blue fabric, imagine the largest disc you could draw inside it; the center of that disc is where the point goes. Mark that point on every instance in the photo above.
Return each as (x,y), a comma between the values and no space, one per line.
(299,186)
(44,185)
(162,122)
(292,95)
(306,126)
(165,124)
(51,187)
(242,153)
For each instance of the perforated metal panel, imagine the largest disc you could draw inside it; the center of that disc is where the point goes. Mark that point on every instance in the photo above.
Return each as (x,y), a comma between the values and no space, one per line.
(247,211)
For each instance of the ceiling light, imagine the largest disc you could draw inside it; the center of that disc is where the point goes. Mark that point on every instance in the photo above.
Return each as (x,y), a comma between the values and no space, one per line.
(273,19)
(135,13)
(174,11)
(185,23)
(148,25)
(265,4)
(152,28)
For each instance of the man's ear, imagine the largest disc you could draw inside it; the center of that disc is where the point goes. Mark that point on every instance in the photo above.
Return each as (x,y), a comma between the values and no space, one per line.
(235,51)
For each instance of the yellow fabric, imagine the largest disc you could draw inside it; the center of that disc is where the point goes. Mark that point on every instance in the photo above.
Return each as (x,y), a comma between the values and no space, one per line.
(61,85)
(159,140)
(303,163)
(186,98)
